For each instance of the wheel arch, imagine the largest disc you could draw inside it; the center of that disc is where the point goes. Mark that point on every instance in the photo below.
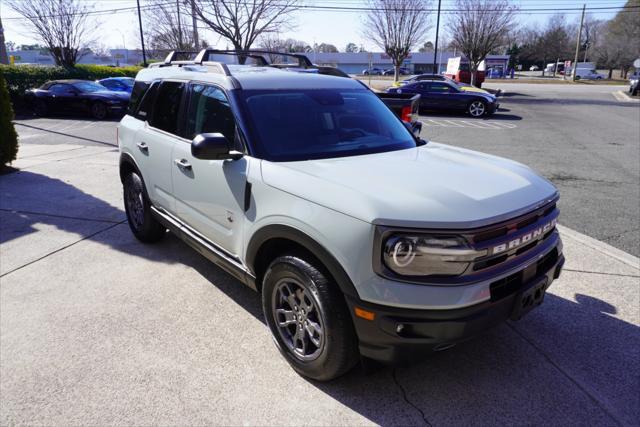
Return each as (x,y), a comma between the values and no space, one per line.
(273,240)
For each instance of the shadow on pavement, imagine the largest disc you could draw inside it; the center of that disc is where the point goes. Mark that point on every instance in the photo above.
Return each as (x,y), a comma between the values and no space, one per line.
(566,362)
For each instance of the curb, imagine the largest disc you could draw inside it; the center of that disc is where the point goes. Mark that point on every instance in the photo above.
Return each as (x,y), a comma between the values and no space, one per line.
(623,96)
(601,247)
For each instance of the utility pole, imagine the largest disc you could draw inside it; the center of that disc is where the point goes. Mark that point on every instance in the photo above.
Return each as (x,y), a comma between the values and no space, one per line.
(4,59)
(575,62)
(144,53)
(194,22)
(435,50)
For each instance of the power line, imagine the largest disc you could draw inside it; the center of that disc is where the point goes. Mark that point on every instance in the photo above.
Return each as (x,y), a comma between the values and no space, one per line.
(338,8)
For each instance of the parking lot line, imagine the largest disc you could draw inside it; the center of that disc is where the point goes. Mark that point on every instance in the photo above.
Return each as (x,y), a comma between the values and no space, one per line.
(479,124)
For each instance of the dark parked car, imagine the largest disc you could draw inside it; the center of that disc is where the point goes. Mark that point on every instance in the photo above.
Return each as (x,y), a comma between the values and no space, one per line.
(118,84)
(82,96)
(390,72)
(436,95)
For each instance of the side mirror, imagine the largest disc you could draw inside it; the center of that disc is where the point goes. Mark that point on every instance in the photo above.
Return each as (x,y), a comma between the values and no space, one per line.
(213,146)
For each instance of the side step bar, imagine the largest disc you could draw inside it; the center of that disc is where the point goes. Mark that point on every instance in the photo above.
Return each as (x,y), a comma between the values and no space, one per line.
(205,247)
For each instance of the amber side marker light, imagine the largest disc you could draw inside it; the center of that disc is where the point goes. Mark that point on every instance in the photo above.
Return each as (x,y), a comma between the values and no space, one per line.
(366,315)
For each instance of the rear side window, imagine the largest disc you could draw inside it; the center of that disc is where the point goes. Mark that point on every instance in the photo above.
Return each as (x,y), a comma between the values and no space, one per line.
(137,93)
(167,106)
(146,105)
(209,112)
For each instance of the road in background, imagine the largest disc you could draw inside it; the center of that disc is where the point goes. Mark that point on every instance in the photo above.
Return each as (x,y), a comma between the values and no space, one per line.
(579,136)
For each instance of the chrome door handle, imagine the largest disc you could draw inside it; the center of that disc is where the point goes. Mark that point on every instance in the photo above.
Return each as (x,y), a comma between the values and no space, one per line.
(182,163)
(143,146)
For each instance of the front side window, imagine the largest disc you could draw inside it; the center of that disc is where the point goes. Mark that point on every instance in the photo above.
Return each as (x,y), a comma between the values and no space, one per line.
(292,125)
(209,112)
(60,88)
(167,106)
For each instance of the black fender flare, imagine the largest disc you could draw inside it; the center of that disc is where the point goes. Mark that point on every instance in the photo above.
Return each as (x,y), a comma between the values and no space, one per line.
(279,231)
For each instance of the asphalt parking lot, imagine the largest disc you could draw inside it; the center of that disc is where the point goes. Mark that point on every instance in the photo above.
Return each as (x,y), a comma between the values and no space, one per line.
(97,328)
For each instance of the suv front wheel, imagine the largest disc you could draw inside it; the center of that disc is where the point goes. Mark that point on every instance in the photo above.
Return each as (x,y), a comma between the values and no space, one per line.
(309,319)
(138,208)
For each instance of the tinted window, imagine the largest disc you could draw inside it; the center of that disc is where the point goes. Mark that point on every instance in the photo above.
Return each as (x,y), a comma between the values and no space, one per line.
(322,123)
(139,89)
(60,88)
(440,87)
(88,87)
(167,106)
(209,112)
(109,84)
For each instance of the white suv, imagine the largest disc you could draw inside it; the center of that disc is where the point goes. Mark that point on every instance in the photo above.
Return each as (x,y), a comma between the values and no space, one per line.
(362,239)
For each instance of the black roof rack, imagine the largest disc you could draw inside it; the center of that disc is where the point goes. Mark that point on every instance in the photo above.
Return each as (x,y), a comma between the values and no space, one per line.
(202,58)
(174,54)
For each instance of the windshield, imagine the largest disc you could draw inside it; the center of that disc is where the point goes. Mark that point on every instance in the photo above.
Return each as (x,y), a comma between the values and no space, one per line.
(127,81)
(295,125)
(88,86)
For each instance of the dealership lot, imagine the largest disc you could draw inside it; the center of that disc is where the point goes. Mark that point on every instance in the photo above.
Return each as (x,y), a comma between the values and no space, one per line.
(97,328)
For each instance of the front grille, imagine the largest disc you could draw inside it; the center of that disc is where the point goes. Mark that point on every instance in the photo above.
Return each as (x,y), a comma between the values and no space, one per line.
(513,283)
(526,228)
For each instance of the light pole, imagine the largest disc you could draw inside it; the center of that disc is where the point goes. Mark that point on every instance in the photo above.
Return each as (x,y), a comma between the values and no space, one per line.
(435,50)
(144,54)
(124,46)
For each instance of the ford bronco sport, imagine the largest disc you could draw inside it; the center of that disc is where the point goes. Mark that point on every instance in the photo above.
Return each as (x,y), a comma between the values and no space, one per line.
(362,239)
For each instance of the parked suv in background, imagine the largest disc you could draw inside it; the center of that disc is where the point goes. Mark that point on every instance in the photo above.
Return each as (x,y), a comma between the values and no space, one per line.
(362,239)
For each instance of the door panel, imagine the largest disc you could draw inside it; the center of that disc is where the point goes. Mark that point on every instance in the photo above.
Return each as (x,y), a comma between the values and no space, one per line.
(209,196)
(154,148)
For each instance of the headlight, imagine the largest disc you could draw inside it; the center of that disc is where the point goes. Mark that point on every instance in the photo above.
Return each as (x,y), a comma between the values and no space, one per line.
(427,254)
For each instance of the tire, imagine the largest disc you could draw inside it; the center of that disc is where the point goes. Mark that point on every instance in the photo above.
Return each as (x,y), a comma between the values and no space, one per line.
(98,111)
(296,295)
(477,108)
(138,209)
(577,78)
(40,108)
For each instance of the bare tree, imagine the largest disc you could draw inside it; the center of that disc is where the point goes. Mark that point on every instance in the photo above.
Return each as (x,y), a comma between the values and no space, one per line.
(63,26)
(241,22)
(478,27)
(4,59)
(169,26)
(397,26)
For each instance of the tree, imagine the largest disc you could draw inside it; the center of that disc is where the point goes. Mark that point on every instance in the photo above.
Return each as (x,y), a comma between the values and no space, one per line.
(4,59)
(622,35)
(241,22)
(168,27)
(11,46)
(478,27)
(351,48)
(397,26)
(8,135)
(326,48)
(426,47)
(63,26)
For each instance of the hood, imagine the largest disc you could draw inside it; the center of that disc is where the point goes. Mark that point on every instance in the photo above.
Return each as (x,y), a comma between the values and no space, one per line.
(434,185)
(121,96)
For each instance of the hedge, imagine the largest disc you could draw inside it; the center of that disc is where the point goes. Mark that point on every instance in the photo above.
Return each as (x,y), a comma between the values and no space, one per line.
(8,136)
(21,78)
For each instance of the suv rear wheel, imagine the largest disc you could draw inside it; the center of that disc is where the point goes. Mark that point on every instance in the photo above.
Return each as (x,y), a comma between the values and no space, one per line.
(308,318)
(138,208)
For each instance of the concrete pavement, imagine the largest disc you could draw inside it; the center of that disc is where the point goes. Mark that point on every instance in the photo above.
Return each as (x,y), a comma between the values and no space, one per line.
(97,328)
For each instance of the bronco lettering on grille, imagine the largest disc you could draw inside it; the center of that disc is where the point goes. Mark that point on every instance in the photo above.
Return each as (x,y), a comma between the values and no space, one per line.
(524,239)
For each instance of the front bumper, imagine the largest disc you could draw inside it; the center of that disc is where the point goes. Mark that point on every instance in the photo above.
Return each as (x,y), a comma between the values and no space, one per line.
(401,334)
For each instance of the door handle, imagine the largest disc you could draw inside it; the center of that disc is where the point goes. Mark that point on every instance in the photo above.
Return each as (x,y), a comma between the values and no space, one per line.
(143,146)
(182,163)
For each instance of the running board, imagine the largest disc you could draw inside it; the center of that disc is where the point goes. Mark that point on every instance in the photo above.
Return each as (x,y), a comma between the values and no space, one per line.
(205,247)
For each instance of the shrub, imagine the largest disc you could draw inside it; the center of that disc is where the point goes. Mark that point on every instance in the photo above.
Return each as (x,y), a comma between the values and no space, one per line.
(8,135)
(21,78)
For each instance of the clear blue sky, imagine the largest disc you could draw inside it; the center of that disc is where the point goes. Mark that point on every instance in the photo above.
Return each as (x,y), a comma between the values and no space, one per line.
(321,26)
